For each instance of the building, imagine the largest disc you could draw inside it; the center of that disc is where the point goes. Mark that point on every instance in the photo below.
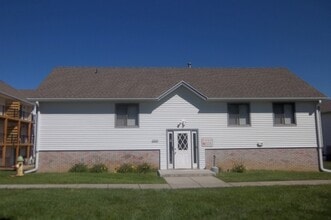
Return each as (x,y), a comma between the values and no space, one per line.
(177,118)
(16,126)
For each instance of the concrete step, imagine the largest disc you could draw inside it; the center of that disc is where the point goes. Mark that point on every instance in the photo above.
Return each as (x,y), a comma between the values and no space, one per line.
(185,173)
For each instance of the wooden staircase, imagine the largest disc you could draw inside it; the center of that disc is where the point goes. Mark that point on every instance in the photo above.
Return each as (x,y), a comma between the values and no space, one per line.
(12,135)
(13,109)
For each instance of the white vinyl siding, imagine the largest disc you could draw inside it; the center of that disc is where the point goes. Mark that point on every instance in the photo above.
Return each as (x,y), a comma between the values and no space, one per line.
(91,125)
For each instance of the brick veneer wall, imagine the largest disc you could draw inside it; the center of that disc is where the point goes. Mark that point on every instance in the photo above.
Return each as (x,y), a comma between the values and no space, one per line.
(299,159)
(62,161)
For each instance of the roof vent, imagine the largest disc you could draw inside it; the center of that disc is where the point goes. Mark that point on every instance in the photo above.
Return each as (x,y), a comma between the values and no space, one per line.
(189,65)
(96,71)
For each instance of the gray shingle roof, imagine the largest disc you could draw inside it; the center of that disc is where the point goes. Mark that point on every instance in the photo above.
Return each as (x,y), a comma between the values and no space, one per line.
(27,93)
(134,83)
(13,93)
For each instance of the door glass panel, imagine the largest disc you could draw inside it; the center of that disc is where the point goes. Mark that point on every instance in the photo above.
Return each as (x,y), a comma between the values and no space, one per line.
(182,141)
(171,148)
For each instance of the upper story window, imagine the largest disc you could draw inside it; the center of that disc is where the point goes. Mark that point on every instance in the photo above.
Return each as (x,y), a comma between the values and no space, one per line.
(127,115)
(284,113)
(238,114)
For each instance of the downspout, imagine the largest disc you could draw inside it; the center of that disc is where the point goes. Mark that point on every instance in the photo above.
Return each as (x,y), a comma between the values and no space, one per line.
(36,141)
(320,138)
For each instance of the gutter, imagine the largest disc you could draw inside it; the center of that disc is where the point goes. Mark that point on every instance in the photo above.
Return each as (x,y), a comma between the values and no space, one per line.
(90,99)
(231,99)
(36,142)
(320,138)
(268,99)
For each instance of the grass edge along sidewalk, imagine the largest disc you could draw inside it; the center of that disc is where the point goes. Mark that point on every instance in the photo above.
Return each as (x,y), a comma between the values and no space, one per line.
(272,175)
(8,177)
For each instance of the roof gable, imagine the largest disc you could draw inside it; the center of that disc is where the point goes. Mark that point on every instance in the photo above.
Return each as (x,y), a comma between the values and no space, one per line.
(185,85)
(155,83)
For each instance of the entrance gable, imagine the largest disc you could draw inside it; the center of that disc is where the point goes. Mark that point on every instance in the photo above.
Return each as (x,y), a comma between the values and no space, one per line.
(185,85)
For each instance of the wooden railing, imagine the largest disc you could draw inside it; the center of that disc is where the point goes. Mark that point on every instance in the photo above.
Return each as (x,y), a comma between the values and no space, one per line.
(15,113)
(13,139)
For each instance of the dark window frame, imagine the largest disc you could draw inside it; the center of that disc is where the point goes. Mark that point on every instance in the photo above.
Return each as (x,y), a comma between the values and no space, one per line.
(126,107)
(170,140)
(248,124)
(281,108)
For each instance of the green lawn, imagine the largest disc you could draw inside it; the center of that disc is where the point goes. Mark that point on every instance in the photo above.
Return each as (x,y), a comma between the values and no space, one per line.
(6,177)
(267,175)
(277,202)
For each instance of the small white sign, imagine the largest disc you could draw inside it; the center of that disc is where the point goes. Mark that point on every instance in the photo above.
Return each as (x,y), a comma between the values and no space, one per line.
(207,142)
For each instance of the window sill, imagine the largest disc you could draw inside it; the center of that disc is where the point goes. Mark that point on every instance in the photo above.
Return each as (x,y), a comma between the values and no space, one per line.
(239,126)
(285,125)
(120,127)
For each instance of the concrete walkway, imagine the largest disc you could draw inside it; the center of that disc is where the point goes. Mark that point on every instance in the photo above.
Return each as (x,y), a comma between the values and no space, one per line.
(172,183)
(195,182)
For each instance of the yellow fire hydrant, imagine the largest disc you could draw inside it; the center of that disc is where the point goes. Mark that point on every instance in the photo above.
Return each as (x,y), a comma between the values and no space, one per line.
(19,166)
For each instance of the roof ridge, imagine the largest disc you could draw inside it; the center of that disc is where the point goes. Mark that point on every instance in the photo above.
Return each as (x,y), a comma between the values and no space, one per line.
(166,67)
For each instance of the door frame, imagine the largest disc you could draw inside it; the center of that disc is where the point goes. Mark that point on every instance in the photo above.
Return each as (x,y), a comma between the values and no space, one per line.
(195,148)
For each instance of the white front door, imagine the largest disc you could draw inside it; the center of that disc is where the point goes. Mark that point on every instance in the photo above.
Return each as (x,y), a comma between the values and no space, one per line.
(182,150)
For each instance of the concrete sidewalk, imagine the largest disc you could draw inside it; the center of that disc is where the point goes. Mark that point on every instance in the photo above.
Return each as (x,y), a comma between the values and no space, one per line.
(85,186)
(213,182)
(172,183)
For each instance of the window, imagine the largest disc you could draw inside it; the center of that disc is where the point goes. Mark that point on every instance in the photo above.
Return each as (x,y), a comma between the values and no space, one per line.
(284,113)
(238,114)
(171,147)
(195,147)
(127,115)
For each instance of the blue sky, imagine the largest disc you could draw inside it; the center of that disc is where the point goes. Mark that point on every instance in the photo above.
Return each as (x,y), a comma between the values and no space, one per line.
(36,36)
